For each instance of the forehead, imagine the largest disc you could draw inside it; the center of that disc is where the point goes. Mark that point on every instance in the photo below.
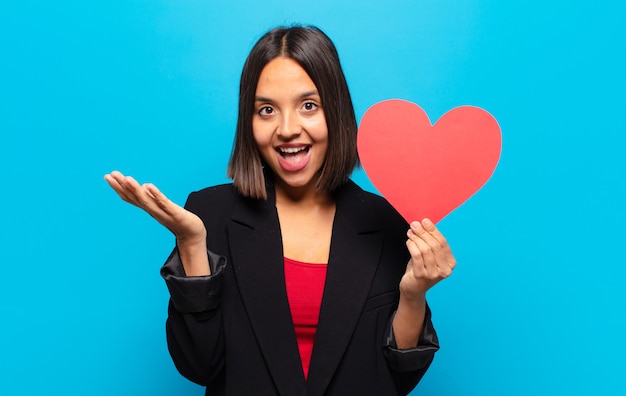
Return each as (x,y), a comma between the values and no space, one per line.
(284,76)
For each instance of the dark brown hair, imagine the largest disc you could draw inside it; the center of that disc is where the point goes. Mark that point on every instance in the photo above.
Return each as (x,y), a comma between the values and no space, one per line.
(317,55)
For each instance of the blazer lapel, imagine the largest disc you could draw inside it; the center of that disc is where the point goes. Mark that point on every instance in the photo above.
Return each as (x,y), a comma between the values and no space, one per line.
(350,274)
(257,259)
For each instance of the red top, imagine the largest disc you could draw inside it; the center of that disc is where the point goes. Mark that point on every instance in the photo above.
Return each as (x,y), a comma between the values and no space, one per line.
(305,287)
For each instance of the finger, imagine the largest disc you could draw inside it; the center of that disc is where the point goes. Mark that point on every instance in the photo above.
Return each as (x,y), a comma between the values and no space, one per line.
(437,263)
(117,187)
(118,182)
(420,231)
(416,264)
(170,214)
(148,198)
(134,189)
(432,230)
(427,253)
(115,176)
(159,198)
(140,197)
(440,247)
(414,251)
(427,243)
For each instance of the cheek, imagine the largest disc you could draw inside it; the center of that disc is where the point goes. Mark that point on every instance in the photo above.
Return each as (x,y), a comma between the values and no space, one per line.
(318,129)
(258,136)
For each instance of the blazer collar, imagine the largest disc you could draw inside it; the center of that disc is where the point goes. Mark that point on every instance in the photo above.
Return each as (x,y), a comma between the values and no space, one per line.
(257,258)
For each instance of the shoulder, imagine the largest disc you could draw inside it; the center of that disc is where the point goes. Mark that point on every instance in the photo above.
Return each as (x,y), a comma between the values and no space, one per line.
(363,199)
(221,191)
(369,207)
(215,198)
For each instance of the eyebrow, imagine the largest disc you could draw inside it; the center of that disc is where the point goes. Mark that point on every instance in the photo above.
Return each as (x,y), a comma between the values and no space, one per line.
(302,96)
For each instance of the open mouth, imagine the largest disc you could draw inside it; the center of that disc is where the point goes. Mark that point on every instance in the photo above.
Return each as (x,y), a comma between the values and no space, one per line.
(287,152)
(294,158)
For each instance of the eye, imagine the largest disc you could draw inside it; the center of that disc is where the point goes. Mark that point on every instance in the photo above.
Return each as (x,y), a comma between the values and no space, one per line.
(309,106)
(266,111)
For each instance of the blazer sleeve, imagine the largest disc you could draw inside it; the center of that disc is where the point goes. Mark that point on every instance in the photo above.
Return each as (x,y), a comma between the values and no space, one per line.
(412,359)
(198,295)
(195,334)
(410,365)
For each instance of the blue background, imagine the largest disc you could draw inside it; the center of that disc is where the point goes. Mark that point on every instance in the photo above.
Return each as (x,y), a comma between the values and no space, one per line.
(536,305)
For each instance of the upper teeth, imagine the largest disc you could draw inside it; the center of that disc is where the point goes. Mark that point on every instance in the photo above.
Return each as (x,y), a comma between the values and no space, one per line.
(291,150)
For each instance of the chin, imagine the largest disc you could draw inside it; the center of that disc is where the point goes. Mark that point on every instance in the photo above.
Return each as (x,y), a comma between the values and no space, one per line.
(297,181)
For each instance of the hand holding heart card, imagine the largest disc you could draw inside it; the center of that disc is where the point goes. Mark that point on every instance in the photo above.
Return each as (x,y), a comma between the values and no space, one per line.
(427,170)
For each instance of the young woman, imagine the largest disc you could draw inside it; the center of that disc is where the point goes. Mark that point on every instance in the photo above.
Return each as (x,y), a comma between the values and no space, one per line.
(293,280)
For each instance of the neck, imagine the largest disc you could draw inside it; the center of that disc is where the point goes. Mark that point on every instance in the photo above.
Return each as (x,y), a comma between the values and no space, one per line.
(304,197)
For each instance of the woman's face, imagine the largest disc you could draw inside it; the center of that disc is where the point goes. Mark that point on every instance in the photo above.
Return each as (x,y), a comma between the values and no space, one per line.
(288,124)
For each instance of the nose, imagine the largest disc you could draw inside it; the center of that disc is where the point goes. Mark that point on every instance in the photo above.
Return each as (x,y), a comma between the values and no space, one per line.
(289,126)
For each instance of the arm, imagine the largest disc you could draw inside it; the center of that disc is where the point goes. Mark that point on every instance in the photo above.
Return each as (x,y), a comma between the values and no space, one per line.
(195,331)
(431,261)
(194,279)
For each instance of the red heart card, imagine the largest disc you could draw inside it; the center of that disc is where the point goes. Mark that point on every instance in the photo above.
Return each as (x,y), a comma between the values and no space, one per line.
(427,170)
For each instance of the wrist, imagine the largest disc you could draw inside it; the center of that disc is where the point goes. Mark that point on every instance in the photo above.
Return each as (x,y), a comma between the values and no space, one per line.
(413,302)
(193,254)
(191,241)
(409,321)
(411,295)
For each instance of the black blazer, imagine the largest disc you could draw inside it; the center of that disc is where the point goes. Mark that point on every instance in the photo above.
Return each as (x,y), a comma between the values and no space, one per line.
(232,331)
